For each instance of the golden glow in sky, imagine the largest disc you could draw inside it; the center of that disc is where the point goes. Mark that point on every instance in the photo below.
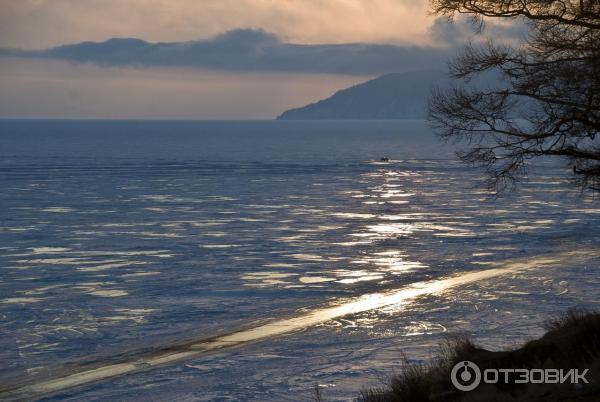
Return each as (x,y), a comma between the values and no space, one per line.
(45,23)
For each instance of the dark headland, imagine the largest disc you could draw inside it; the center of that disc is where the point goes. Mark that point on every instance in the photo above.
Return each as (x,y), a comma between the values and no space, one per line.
(390,96)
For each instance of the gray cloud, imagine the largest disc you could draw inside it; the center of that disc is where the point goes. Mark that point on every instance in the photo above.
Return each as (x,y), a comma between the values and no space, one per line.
(251,50)
(462,29)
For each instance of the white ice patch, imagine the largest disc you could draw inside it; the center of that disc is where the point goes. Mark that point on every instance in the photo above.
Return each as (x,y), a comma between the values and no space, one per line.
(20,300)
(109,293)
(49,250)
(58,210)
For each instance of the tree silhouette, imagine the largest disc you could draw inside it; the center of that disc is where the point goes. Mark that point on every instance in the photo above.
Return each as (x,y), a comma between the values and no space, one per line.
(547,101)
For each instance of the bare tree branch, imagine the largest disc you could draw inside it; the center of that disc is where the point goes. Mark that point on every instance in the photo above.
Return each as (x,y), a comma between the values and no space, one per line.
(546,101)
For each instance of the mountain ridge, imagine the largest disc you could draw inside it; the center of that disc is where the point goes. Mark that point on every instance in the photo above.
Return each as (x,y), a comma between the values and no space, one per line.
(390,96)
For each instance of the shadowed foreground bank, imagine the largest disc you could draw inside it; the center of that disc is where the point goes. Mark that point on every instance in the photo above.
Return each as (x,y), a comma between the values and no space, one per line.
(572,342)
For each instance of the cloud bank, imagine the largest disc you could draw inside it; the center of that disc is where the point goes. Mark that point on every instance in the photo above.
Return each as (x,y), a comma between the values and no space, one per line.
(250,50)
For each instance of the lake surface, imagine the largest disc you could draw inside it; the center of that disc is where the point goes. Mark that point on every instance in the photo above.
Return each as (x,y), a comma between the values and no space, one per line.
(120,237)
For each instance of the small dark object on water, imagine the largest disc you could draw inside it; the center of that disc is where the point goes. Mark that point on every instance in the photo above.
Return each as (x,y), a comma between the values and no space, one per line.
(385,159)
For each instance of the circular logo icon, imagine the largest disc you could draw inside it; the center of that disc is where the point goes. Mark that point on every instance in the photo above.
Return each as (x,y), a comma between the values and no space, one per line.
(465,376)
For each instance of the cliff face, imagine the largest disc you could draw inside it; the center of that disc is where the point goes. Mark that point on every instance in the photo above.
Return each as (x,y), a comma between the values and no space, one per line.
(391,96)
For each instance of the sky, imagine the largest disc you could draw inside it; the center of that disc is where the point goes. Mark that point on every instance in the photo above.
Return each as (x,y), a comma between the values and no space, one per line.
(45,23)
(206,59)
(59,89)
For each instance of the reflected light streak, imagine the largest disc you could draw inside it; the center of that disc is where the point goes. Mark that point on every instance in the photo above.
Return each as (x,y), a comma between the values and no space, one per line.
(169,355)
